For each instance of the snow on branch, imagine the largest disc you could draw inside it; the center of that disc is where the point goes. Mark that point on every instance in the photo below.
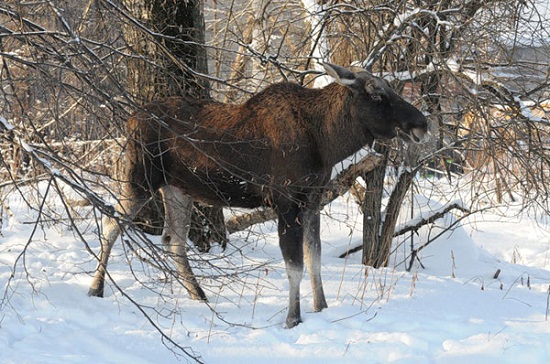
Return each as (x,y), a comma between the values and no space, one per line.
(415,224)
(69,177)
(5,124)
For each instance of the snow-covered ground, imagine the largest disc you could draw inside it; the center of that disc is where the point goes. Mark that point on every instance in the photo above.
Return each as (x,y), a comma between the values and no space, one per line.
(451,311)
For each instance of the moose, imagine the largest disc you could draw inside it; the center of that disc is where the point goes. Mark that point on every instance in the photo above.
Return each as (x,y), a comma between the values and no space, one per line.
(275,150)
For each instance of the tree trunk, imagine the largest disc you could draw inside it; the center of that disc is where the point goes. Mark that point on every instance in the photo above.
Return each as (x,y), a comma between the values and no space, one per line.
(371,207)
(390,217)
(168,68)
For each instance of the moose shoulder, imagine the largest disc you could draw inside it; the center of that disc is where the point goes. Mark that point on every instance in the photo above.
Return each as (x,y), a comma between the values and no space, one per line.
(277,149)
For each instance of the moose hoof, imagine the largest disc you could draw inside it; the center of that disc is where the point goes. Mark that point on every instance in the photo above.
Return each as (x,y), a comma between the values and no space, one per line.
(290,323)
(95,292)
(198,294)
(320,307)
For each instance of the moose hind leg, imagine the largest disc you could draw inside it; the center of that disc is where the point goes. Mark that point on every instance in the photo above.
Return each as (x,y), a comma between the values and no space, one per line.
(312,252)
(110,232)
(178,209)
(290,241)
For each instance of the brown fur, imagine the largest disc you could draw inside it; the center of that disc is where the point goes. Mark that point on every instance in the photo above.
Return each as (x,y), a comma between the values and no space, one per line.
(234,155)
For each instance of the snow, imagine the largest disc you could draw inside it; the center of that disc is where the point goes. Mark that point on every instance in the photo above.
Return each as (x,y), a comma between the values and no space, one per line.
(347,162)
(526,110)
(6,124)
(453,311)
(400,19)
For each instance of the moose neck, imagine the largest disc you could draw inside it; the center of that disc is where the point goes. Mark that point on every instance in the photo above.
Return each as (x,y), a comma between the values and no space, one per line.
(339,134)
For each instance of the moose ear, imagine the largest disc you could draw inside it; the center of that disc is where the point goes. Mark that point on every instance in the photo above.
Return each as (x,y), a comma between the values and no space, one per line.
(341,75)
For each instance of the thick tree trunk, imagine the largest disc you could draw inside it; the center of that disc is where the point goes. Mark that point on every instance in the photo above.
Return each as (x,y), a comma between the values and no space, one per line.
(378,226)
(390,218)
(371,207)
(173,56)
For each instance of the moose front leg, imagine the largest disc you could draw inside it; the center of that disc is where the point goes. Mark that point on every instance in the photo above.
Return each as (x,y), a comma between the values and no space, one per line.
(290,242)
(311,223)
(178,209)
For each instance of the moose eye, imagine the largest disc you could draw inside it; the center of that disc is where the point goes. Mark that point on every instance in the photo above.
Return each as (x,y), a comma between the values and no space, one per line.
(376,98)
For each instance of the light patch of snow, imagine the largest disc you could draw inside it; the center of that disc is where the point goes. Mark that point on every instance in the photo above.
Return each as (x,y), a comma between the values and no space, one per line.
(452,311)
